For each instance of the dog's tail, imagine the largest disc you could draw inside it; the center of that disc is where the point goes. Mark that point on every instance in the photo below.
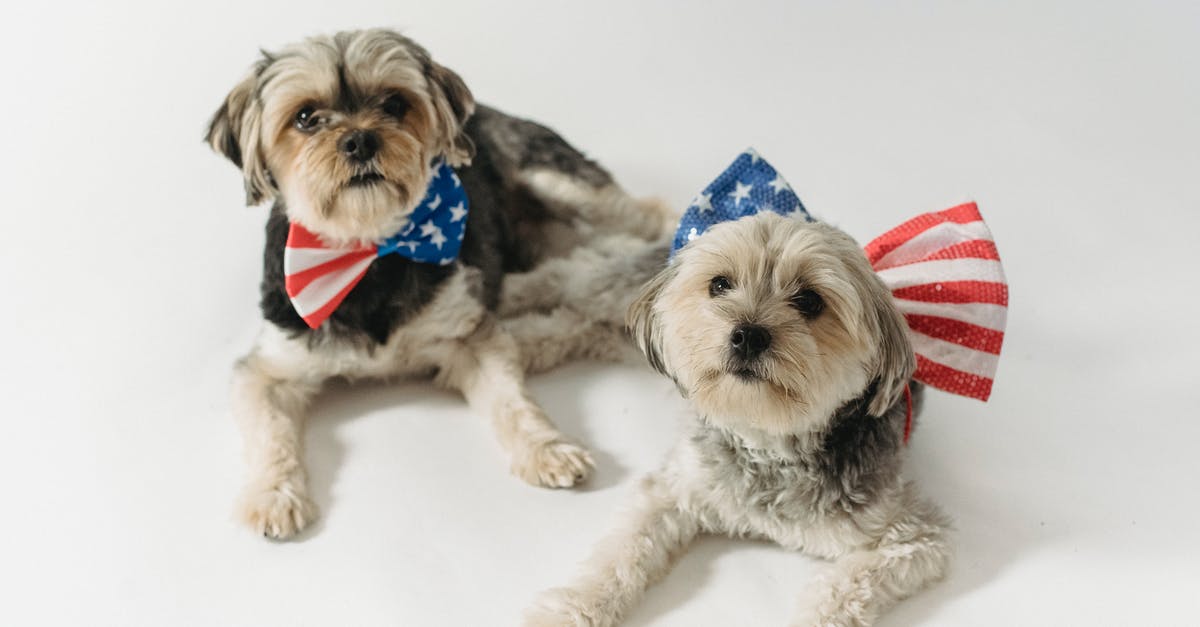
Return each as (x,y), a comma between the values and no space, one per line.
(574,307)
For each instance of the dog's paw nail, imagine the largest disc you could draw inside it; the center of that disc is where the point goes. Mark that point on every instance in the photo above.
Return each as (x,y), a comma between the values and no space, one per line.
(554,464)
(278,512)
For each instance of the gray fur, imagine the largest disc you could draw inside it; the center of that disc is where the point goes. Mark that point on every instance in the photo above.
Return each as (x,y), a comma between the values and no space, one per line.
(807,454)
(535,202)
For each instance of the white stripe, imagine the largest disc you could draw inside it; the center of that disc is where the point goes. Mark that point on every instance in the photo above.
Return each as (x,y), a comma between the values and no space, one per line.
(322,289)
(300,259)
(934,239)
(954,355)
(986,315)
(940,270)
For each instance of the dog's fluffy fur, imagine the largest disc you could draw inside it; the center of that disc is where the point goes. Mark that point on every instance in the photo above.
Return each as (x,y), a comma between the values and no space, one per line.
(798,440)
(534,200)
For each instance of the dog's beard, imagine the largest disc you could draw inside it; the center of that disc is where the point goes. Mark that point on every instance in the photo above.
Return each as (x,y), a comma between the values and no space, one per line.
(366,203)
(784,393)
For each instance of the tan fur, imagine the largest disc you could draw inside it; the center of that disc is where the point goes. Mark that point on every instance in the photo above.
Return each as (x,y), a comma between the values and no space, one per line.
(818,364)
(455,338)
(883,549)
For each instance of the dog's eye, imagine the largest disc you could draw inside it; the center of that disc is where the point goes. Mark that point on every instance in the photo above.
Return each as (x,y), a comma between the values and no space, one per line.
(306,118)
(719,285)
(395,106)
(808,303)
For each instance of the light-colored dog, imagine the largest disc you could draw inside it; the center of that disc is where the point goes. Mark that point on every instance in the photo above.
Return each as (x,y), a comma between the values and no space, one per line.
(796,361)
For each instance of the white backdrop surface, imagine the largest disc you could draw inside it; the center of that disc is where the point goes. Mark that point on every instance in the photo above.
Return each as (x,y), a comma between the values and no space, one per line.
(130,271)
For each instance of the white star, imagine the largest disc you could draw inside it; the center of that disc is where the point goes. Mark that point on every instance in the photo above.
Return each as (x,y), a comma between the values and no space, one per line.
(437,200)
(458,211)
(412,247)
(703,202)
(438,239)
(692,234)
(779,184)
(446,261)
(741,193)
(454,177)
(429,228)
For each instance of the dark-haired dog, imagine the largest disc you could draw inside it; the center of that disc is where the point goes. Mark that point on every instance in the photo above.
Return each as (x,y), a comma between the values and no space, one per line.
(532,198)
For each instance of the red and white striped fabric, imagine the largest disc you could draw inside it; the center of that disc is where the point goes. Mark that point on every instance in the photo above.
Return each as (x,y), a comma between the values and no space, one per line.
(318,278)
(945,274)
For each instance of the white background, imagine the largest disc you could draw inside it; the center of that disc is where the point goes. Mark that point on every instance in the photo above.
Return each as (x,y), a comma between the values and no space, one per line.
(130,269)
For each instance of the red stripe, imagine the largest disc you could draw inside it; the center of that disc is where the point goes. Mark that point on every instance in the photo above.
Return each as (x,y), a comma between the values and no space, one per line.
(295,283)
(956,292)
(314,319)
(300,237)
(893,239)
(972,249)
(958,332)
(952,380)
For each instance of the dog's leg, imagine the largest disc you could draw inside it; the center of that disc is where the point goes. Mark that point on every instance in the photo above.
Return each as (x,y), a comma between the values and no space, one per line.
(637,554)
(912,553)
(487,369)
(547,340)
(574,307)
(600,278)
(269,411)
(604,206)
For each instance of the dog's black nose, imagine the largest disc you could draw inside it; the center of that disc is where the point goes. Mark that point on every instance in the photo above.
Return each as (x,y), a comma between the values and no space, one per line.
(359,145)
(749,340)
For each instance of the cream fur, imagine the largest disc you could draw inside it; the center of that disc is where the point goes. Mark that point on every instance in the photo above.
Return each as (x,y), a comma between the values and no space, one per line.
(885,542)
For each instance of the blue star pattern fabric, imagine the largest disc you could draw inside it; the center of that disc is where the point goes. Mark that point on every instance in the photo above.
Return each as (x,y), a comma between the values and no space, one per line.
(749,185)
(435,230)
(318,276)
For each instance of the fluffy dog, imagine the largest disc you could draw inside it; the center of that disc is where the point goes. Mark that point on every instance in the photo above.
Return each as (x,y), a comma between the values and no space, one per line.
(342,133)
(796,360)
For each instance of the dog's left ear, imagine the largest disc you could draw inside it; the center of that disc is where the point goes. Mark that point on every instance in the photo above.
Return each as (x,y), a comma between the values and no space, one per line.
(234,132)
(453,103)
(894,359)
(643,323)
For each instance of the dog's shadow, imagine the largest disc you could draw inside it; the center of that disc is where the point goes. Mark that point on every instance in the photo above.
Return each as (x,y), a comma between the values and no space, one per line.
(340,402)
(992,532)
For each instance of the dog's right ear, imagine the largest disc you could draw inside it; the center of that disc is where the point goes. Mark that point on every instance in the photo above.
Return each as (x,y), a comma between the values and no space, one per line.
(234,132)
(643,323)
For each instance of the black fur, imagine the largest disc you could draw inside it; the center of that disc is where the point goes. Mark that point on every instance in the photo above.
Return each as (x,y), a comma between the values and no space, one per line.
(394,289)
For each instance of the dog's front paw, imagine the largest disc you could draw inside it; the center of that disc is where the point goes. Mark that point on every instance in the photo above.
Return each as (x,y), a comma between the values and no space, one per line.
(278,511)
(553,464)
(845,603)
(560,607)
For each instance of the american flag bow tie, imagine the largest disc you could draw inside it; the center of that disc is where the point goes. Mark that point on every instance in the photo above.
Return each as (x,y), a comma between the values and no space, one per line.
(946,278)
(942,268)
(318,277)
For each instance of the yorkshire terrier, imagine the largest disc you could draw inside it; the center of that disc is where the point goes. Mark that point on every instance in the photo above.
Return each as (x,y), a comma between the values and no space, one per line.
(367,146)
(799,367)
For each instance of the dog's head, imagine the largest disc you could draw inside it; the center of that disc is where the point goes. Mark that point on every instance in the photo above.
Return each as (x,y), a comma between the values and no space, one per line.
(344,128)
(772,323)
